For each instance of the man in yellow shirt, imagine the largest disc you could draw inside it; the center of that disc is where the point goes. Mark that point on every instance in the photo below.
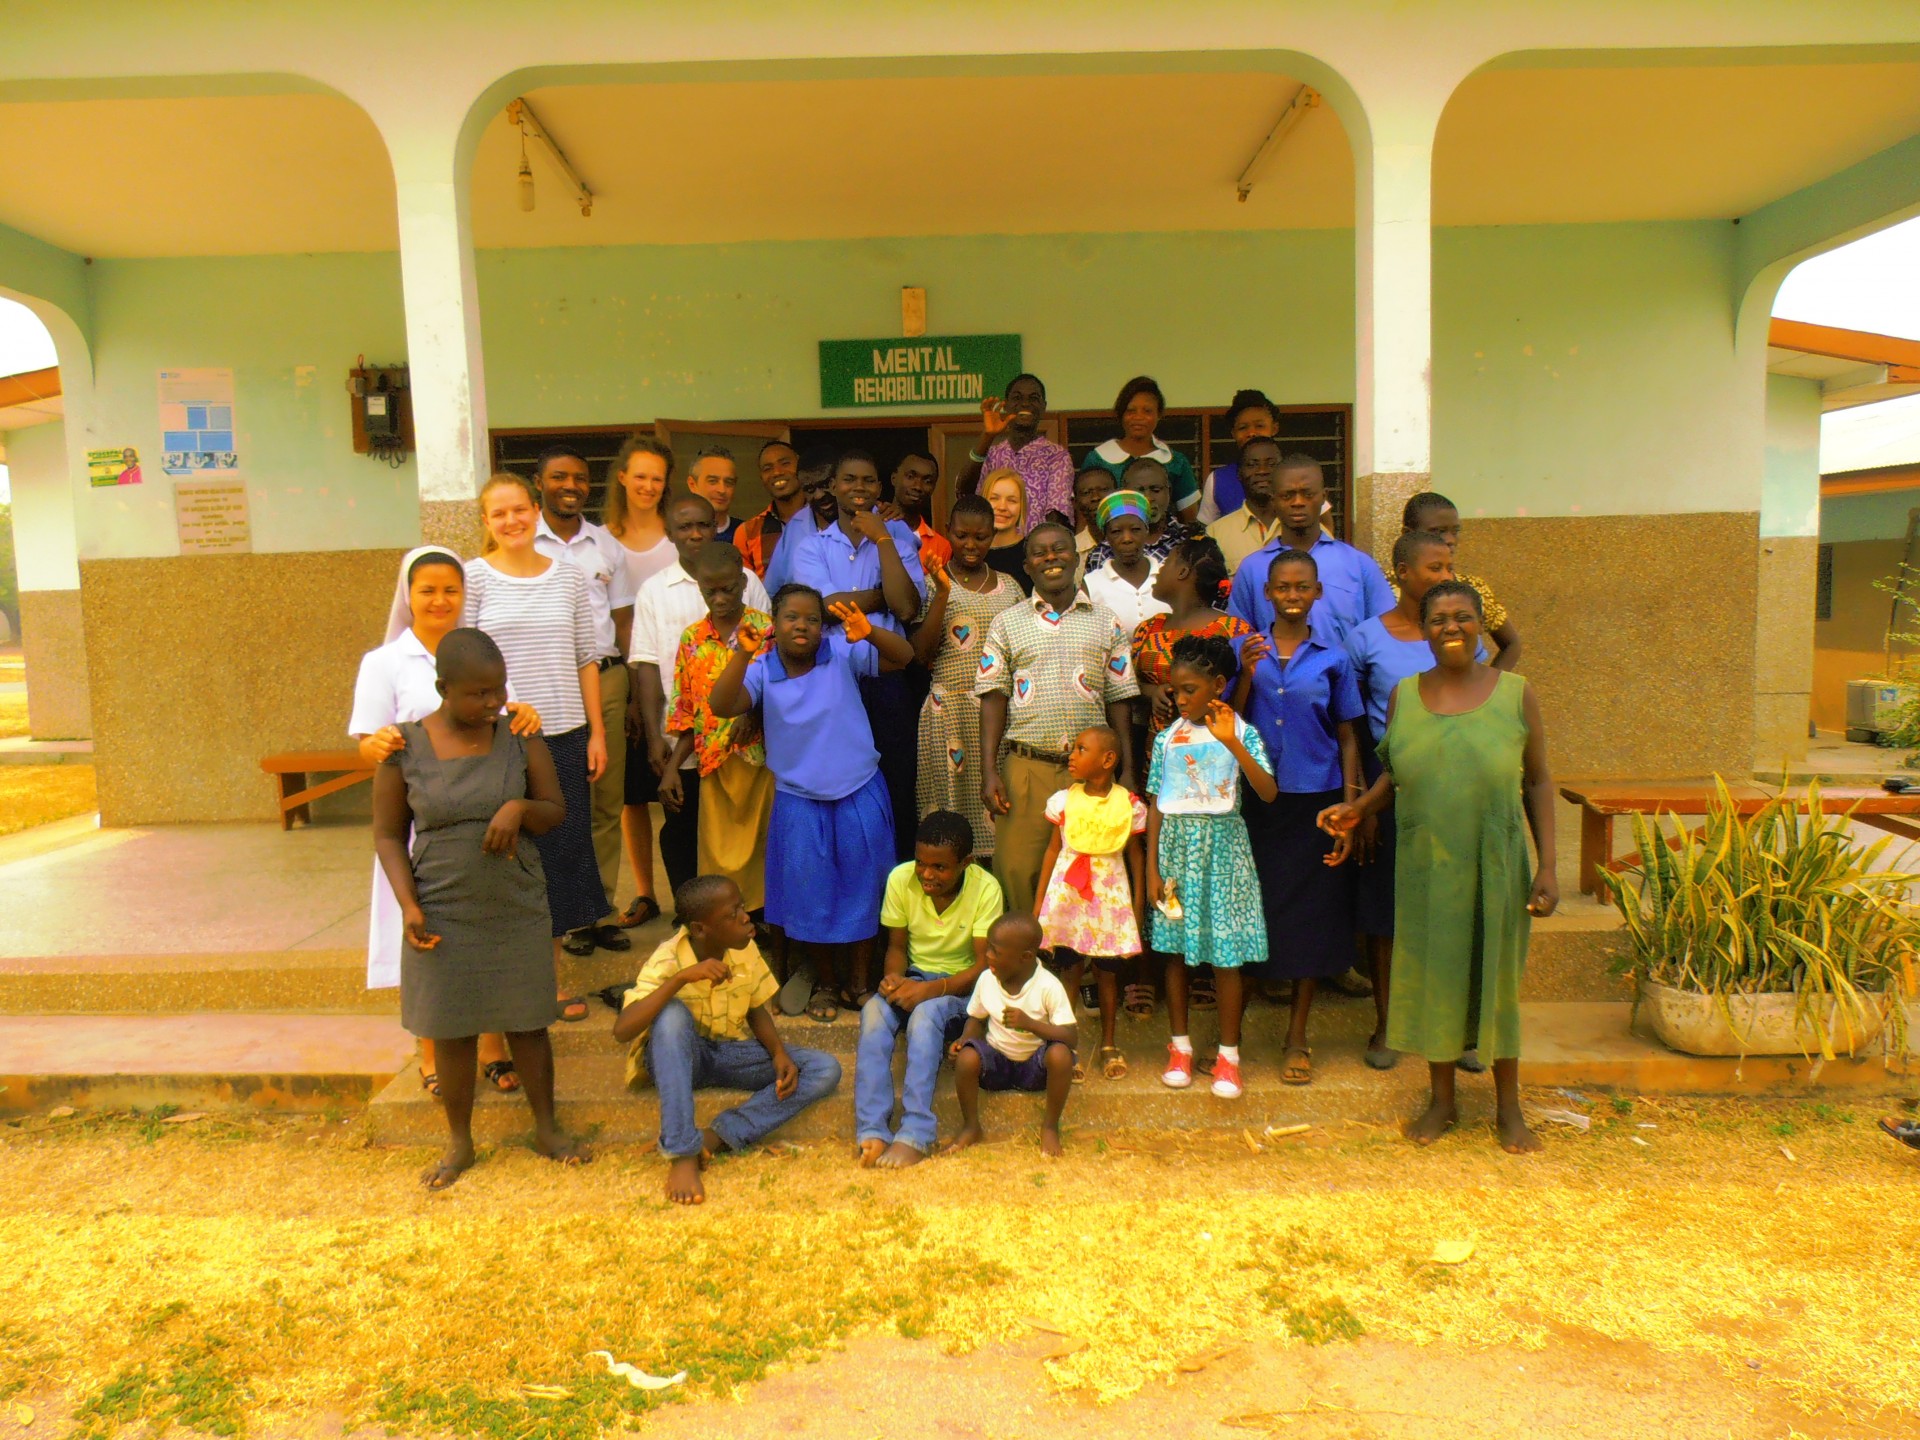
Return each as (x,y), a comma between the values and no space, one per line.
(697,1016)
(1242,531)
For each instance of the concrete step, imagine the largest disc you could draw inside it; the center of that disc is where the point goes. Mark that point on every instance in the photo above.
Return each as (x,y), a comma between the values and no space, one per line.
(241,1061)
(259,1061)
(1568,960)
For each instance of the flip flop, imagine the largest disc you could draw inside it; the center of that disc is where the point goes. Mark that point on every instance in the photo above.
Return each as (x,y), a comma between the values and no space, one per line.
(578,943)
(1379,1057)
(643,909)
(614,997)
(822,1007)
(1291,1074)
(1907,1132)
(571,1003)
(500,1073)
(1471,1063)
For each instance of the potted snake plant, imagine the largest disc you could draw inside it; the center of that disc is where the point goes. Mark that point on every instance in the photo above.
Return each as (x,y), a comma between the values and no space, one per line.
(1769,934)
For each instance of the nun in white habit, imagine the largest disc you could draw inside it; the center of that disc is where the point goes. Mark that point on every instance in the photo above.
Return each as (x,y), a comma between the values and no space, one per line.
(397,685)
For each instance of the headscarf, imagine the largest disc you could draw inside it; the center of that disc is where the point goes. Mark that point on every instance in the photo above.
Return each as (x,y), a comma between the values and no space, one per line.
(400,617)
(1123,502)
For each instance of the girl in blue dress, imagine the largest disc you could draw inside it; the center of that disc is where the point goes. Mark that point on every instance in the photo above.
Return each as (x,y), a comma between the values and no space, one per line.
(830,841)
(1199,865)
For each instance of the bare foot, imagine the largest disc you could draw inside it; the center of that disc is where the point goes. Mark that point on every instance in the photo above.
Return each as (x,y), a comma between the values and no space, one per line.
(972,1135)
(556,1146)
(447,1169)
(870,1151)
(1049,1141)
(899,1156)
(683,1180)
(1437,1120)
(1515,1137)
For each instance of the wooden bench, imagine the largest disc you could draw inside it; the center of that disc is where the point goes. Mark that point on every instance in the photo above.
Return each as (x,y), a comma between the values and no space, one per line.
(290,772)
(1601,803)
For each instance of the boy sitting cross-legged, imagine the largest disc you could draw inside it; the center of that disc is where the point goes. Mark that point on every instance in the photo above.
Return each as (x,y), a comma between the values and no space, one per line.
(938,908)
(1020,1032)
(697,1016)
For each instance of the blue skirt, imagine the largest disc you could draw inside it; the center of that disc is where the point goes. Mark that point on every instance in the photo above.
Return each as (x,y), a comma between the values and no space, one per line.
(827,863)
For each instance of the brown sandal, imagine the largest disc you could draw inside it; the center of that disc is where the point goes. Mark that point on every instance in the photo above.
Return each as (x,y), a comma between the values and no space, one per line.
(1137,1002)
(1300,1073)
(1113,1065)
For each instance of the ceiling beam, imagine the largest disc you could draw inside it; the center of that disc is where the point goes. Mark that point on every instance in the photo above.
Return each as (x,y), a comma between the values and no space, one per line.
(1862,346)
(28,386)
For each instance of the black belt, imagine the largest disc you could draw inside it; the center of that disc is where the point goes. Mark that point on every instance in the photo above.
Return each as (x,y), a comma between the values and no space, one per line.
(1035,752)
(607,662)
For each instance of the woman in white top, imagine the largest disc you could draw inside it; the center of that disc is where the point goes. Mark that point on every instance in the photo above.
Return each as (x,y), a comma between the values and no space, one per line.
(396,685)
(536,610)
(636,495)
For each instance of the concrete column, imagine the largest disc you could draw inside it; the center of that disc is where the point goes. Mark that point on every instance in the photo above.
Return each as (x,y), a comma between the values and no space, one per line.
(432,174)
(1393,295)
(53,638)
(1788,571)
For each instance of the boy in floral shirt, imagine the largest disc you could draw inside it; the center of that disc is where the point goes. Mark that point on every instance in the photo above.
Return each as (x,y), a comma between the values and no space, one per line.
(736,788)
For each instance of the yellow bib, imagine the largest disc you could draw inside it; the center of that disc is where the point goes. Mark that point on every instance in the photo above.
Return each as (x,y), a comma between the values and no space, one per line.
(1098,824)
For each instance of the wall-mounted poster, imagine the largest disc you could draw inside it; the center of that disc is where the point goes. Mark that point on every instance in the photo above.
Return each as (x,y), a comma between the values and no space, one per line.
(211,517)
(119,466)
(196,422)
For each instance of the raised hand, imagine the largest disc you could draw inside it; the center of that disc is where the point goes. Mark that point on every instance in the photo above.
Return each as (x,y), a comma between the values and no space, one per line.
(384,742)
(1255,648)
(994,418)
(522,718)
(937,575)
(855,620)
(749,640)
(1220,722)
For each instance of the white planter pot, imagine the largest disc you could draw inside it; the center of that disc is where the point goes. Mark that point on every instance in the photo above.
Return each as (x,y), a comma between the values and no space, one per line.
(1772,1024)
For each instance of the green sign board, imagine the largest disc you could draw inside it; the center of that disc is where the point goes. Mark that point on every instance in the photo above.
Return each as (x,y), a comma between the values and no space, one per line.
(927,370)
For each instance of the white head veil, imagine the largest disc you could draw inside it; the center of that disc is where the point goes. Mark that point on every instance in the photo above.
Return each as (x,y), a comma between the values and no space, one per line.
(400,617)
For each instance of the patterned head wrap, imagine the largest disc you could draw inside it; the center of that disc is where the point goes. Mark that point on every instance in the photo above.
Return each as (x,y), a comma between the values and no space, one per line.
(1123,502)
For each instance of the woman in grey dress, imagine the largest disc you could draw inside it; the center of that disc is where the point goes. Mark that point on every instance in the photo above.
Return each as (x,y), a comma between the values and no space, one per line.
(473,897)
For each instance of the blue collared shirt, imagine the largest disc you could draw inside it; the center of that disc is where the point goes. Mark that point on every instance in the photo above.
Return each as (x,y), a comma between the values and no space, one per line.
(780,564)
(1381,662)
(1296,705)
(819,744)
(830,561)
(1352,588)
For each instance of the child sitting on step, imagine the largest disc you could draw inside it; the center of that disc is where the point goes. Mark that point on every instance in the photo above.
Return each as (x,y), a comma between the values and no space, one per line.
(1020,1032)
(697,1016)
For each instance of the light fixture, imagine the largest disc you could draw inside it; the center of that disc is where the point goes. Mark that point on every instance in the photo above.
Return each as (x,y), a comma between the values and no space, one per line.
(1304,99)
(526,175)
(520,113)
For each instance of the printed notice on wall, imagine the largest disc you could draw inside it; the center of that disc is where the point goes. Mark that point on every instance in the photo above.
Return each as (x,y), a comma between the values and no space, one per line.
(196,422)
(114,467)
(211,516)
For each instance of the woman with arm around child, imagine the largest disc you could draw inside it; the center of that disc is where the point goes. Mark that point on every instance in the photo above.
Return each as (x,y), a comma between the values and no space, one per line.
(1464,762)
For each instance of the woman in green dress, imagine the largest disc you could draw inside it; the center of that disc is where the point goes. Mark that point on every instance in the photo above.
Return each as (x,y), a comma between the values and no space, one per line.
(1465,768)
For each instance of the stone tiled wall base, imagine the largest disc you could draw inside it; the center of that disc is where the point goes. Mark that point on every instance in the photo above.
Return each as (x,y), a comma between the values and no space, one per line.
(202,665)
(1783,647)
(54,643)
(1638,634)
(1378,502)
(453,523)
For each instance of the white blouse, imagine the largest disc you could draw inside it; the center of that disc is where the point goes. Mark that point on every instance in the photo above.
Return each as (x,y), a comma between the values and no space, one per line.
(395,686)
(1130,605)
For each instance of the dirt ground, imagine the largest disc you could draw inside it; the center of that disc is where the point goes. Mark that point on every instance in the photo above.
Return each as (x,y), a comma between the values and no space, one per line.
(1681,1268)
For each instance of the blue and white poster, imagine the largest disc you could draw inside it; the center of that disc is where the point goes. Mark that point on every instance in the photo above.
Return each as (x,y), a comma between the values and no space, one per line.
(196,422)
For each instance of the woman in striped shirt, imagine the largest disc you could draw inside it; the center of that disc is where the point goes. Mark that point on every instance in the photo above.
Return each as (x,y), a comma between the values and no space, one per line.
(536,610)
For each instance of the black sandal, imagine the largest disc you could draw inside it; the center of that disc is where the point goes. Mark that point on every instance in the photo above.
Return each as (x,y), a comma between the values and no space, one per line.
(499,1071)
(578,943)
(634,916)
(430,1082)
(821,1006)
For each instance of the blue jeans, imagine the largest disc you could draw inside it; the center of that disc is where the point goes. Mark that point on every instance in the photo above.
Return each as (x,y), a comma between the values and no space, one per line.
(931,1026)
(682,1060)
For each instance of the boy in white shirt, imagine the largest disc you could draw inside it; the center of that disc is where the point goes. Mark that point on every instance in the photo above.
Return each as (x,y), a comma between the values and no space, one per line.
(1020,1032)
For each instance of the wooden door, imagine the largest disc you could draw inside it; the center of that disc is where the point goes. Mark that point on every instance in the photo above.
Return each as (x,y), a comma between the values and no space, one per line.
(741,439)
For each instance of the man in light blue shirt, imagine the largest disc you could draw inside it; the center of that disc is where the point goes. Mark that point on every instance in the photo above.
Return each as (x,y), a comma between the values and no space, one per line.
(1352,585)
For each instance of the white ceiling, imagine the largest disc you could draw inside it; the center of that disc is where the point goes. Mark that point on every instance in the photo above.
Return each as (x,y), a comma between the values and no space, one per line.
(707,163)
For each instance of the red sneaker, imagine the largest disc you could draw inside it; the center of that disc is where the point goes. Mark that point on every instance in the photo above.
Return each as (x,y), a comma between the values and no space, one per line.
(1179,1072)
(1226,1078)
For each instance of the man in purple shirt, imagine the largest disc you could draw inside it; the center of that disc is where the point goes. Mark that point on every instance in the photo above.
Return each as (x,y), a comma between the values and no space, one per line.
(1010,439)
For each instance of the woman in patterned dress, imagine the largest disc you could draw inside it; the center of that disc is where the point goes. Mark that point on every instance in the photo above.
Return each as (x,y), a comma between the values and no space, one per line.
(961,603)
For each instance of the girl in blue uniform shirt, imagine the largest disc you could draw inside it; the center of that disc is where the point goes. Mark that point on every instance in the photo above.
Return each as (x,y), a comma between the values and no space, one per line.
(830,841)
(1385,650)
(1306,706)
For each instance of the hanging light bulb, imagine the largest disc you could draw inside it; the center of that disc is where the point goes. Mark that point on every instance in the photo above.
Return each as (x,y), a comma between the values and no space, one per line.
(526,175)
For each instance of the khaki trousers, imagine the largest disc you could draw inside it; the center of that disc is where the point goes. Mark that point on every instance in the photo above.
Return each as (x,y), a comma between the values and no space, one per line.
(610,790)
(1020,836)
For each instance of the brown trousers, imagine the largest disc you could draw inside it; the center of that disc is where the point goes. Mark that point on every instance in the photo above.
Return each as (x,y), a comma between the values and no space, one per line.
(1021,836)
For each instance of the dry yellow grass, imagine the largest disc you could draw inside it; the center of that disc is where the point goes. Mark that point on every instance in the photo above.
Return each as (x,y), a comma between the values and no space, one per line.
(40,794)
(13,716)
(275,1274)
